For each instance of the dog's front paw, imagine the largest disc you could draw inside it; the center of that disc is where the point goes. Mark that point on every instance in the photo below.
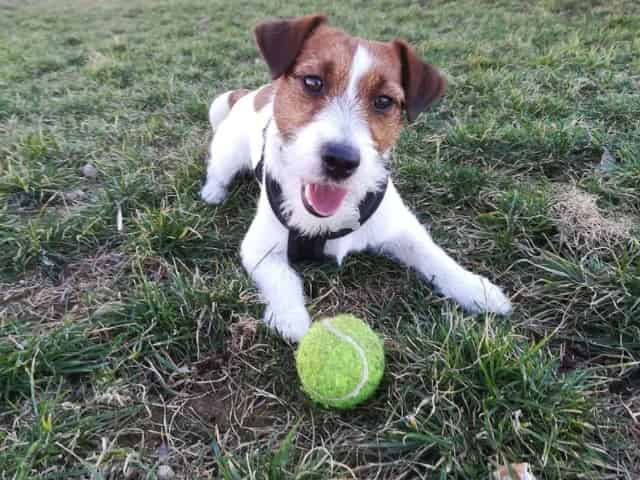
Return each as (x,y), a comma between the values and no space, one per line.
(213,192)
(476,294)
(292,324)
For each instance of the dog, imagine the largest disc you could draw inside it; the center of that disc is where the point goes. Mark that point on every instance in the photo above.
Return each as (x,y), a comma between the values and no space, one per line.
(319,139)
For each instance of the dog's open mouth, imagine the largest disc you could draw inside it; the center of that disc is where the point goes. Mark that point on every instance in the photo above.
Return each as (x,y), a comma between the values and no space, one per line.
(322,199)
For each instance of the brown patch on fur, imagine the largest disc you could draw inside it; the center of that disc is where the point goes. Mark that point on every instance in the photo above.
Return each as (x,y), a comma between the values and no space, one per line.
(236,95)
(422,83)
(263,96)
(383,79)
(280,41)
(328,53)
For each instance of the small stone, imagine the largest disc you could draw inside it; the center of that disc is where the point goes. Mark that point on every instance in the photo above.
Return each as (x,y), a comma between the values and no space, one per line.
(131,473)
(163,453)
(89,171)
(607,161)
(75,195)
(165,472)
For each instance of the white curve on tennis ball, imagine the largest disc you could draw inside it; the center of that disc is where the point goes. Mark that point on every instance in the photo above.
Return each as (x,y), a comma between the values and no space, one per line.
(365,365)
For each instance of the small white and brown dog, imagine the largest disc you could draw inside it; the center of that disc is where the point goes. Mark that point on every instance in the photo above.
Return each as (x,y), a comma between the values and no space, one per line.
(319,139)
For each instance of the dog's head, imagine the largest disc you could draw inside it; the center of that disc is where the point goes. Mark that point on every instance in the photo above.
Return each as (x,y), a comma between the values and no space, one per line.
(338,108)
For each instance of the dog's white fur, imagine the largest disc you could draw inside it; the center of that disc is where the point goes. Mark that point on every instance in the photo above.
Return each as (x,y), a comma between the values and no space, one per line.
(392,230)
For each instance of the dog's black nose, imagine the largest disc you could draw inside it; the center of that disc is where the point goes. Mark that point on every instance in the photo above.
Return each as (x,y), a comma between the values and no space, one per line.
(339,160)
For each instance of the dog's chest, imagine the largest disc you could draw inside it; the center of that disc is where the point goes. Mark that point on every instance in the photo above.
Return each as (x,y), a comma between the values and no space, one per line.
(303,247)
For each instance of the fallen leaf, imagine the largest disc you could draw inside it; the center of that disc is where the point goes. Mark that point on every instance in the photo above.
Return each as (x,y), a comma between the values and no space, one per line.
(514,471)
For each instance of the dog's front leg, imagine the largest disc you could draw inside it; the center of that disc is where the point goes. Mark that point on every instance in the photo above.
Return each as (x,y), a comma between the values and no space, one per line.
(264,256)
(408,241)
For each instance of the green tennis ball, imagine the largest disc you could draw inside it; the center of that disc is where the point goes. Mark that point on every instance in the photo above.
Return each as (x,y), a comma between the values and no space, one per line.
(340,361)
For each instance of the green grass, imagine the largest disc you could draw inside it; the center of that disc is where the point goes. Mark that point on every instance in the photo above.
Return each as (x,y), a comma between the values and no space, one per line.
(123,351)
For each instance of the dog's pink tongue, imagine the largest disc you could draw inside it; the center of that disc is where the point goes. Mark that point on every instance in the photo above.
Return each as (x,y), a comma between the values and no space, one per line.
(325,199)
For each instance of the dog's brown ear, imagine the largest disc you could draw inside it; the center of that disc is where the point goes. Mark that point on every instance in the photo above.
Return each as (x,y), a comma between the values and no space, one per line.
(280,41)
(422,83)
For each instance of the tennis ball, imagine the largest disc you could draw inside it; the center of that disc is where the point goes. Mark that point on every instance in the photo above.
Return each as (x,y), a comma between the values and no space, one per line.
(340,361)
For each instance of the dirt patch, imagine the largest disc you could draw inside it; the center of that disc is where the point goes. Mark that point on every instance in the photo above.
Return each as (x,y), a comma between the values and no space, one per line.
(47,299)
(214,407)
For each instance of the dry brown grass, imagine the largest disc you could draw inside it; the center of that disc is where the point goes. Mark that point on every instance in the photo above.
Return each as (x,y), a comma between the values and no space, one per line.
(581,222)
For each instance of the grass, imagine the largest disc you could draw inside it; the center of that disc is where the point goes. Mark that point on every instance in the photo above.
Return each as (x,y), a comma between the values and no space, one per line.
(124,351)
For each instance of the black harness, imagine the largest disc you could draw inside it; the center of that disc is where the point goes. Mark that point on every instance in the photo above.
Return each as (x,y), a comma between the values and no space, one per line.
(299,246)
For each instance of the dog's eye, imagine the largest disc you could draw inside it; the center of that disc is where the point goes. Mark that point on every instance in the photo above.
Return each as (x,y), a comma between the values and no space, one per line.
(382,103)
(312,83)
